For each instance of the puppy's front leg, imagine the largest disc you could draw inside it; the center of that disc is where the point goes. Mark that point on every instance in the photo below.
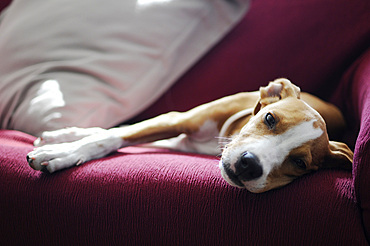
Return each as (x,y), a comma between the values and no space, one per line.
(54,157)
(51,158)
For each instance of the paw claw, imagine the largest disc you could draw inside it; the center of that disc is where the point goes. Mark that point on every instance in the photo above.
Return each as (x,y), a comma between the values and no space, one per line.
(44,164)
(30,161)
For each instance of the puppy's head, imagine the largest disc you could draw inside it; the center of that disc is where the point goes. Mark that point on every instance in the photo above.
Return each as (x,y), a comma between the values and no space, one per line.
(284,139)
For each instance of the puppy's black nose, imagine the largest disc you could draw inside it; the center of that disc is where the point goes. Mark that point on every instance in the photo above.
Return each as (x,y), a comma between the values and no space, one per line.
(248,167)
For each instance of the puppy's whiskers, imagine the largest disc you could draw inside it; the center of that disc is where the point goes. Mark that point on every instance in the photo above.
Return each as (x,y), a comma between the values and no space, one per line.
(222,142)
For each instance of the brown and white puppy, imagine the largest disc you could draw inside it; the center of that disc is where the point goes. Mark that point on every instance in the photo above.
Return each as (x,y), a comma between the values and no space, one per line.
(273,136)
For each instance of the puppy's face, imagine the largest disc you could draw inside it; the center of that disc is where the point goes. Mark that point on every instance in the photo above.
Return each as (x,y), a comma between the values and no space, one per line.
(282,141)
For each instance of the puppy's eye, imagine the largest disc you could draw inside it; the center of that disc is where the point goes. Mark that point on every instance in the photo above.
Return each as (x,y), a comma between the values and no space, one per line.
(270,120)
(300,163)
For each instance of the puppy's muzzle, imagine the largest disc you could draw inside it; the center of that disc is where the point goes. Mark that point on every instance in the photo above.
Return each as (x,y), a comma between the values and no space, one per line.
(247,168)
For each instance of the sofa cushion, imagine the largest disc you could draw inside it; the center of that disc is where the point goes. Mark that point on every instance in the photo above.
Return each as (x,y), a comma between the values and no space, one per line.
(98,63)
(138,196)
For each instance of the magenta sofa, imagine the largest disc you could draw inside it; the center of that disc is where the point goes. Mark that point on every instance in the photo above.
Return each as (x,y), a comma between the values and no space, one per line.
(143,196)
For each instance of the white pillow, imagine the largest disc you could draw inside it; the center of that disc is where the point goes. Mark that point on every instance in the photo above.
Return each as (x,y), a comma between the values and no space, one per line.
(98,63)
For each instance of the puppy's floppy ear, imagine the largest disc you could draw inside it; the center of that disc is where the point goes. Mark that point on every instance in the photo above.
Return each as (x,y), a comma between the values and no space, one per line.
(339,156)
(275,91)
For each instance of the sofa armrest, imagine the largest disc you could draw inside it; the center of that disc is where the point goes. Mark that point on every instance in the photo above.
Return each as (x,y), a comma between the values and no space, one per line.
(353,96)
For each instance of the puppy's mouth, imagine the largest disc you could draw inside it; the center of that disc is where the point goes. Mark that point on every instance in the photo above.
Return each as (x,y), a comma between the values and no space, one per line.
(230,176)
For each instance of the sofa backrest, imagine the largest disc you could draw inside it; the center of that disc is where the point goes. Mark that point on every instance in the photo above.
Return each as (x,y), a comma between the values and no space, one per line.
(4,3)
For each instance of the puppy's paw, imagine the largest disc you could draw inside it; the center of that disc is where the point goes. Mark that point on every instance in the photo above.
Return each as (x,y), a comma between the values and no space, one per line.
(65,135)
(51,158)
(54,157)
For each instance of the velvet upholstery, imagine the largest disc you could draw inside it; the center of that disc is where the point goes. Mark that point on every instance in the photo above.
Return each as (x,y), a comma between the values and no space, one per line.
(141,196)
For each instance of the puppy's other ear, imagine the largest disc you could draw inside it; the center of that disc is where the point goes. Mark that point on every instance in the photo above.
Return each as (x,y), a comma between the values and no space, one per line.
(275,91)
(339,156)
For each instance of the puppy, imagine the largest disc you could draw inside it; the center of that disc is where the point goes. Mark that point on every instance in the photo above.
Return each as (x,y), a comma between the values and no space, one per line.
(272,137)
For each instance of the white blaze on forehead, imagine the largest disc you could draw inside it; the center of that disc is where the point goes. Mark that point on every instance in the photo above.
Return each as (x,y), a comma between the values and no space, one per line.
(272,150)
